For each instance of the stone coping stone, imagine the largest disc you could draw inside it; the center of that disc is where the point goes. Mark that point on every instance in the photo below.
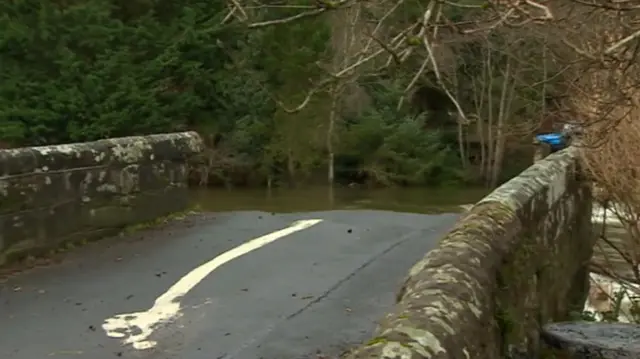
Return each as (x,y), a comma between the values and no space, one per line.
(594,340)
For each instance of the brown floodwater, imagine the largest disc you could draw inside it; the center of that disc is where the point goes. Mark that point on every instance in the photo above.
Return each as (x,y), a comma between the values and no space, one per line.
(414,200)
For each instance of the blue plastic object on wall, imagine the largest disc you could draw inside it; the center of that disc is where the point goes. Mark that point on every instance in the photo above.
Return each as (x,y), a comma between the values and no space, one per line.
(555,140)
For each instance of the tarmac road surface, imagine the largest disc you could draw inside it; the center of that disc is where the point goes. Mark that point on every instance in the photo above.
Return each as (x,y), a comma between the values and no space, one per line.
(235,285)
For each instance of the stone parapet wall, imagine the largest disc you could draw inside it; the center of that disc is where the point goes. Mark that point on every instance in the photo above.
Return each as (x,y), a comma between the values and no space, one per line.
(81,191)
(516,261)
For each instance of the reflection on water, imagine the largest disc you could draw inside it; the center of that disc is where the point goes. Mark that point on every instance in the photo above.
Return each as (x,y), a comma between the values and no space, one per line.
(416,200)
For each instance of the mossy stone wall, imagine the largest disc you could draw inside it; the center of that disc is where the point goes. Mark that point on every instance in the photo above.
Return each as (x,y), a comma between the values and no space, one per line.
(82,191)
(516,261)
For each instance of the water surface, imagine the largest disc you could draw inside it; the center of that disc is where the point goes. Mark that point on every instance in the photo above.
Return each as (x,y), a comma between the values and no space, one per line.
(414,200)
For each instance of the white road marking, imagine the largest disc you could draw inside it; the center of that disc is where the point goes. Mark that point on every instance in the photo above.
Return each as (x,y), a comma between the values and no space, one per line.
(137,327)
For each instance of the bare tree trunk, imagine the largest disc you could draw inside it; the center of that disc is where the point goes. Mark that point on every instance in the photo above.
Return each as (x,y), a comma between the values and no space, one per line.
(461,145)
(479,93)
(478,98)
(498,154)
(464,158)
(545,70)
(335,93)
(291,168)
(490,140)
(483,144)
(346,27)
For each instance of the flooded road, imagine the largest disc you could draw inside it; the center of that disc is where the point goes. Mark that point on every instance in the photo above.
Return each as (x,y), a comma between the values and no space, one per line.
(409,200)
(289,274)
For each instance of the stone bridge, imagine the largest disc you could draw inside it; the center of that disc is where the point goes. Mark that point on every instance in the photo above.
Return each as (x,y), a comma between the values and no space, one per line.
(490,281)
(516,261)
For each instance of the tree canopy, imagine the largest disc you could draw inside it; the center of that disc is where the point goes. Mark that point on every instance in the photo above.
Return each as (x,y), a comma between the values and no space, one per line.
(384,93)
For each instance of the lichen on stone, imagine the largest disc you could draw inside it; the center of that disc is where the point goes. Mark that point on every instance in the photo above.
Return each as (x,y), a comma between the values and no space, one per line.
(482,292)
(51,193)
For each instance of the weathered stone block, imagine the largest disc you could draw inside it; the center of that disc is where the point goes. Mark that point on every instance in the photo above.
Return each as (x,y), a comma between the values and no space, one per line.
(153,204)
(141,207)
(20,226)
(39,190)
(173,147)
(62,219)
(586,340)
(53,193)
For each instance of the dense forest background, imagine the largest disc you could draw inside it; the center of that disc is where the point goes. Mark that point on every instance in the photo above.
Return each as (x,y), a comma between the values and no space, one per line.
(284,93)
